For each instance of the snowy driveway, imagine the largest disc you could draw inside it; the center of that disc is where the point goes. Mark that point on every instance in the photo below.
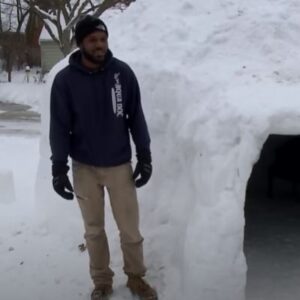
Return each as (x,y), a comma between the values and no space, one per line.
(18,119)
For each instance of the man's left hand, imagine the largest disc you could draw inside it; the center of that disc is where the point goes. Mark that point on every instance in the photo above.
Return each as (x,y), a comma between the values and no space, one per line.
(144,170)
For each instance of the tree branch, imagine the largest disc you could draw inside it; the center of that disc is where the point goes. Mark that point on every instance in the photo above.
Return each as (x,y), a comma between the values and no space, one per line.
(58,25)
(72,13)
(1,26)
(80,9)
(68,7)
(54,38)
(65,13)
(42,14)
(104,6)
(12,5)
(92,4)
(79,13)
(18,11)
(21,21)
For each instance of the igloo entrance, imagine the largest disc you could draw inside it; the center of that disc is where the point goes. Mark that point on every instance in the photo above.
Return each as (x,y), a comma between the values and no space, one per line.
(272,214)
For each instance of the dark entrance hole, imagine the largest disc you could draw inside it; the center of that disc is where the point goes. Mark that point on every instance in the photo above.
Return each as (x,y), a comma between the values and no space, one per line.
(272,213)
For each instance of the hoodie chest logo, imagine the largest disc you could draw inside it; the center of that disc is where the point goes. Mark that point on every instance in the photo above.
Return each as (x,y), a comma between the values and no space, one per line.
(116,97)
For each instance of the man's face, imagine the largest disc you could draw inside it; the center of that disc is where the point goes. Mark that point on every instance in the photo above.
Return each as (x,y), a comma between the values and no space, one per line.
(94,47)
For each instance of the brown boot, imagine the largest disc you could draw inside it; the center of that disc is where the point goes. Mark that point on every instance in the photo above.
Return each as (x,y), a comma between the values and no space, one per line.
(101,292)
(139,287)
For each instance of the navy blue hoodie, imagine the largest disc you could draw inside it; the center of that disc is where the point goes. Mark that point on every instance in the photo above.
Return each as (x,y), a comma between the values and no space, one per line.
(92,113)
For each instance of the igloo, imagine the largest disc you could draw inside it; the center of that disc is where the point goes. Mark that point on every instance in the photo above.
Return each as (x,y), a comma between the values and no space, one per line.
(217,79)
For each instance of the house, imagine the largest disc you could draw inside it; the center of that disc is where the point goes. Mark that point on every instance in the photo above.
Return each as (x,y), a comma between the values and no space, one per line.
(50,52)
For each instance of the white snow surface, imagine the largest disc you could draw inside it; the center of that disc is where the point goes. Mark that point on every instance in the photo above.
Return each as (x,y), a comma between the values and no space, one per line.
(217,77)
(20,91)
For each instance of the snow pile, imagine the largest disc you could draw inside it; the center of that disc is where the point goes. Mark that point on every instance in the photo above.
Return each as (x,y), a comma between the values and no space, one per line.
(21,92)
(7,187)
(17,172)
(30,94)
(36,263)
(217,78)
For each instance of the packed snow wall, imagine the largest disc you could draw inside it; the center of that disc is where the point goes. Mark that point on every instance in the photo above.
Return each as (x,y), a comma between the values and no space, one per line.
(212,146)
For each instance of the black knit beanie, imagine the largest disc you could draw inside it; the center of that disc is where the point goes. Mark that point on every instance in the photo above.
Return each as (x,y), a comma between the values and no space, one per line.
(88,25)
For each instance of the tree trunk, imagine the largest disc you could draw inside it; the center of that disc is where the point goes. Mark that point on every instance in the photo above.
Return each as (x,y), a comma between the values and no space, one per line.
(1,27)
(66,46)
(32,34)
(33,30)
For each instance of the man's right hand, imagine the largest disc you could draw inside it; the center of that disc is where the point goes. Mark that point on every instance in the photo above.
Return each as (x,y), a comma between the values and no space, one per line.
(60,183)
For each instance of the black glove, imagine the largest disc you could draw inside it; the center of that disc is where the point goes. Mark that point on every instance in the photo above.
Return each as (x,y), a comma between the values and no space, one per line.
(61,181)
(143,168)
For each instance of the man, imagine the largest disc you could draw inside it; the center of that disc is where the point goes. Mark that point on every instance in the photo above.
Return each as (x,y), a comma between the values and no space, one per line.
(95,104)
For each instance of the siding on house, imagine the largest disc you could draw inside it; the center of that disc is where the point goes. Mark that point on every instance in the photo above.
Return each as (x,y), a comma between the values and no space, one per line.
(50,55)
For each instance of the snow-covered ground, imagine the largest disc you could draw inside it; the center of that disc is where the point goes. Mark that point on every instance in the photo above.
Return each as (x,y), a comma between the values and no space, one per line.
(38,261)
(21,91)
(217,78)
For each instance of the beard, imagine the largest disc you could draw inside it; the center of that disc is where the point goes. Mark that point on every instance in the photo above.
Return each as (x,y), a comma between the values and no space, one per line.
(95,59)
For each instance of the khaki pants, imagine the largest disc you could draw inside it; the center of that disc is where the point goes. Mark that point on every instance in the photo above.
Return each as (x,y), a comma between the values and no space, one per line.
(89,183)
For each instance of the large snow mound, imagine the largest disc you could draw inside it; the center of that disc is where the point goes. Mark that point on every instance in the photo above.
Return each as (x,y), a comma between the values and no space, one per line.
(217,78)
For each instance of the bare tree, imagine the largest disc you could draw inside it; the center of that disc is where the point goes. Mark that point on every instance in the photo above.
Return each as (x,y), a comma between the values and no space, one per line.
(6,17)
(60,16)
(13,13)
(1,26)
(12,41)
(12,48)
(22,14)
